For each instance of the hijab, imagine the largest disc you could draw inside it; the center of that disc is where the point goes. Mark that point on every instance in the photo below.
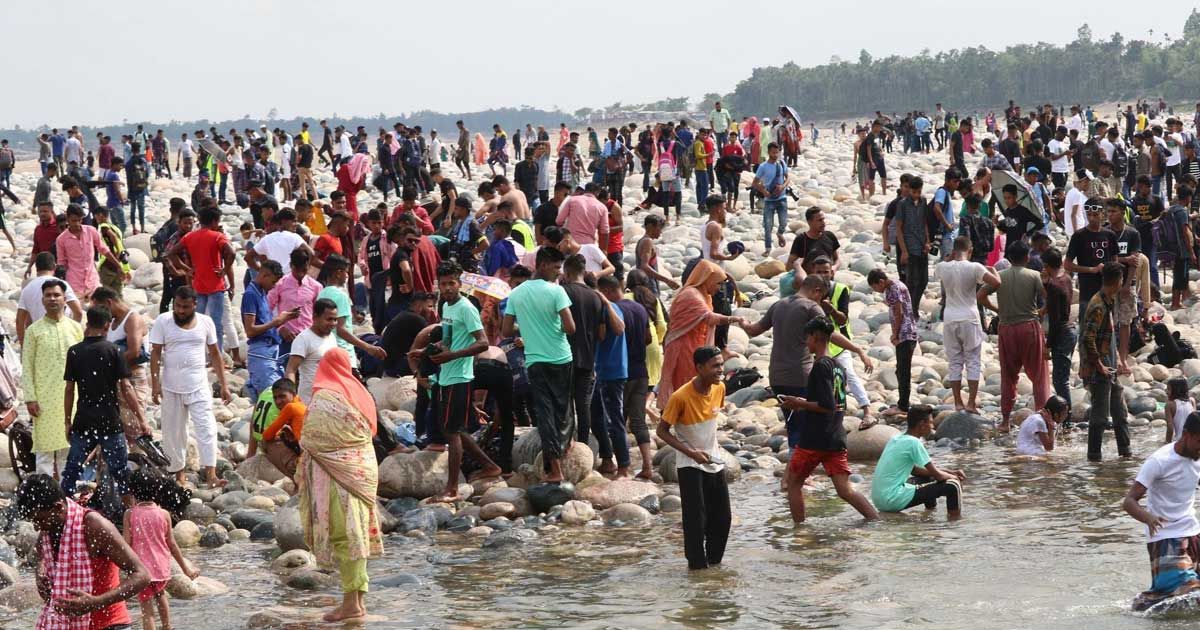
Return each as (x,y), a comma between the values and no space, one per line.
(333,374)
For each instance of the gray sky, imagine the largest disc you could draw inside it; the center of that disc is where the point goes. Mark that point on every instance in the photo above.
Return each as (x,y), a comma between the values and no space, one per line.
(219,59)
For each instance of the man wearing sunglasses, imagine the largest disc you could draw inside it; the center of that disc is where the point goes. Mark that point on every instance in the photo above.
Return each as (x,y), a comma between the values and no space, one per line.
(1089,249)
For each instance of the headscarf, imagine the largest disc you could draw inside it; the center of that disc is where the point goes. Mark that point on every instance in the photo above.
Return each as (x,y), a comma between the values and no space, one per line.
(480,149)
(692,305)
(360,165)
(333,374)
(750,129)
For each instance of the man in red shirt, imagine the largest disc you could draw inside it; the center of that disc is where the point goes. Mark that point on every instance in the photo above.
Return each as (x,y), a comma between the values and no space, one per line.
(211,266)
(331,241)
(44,233)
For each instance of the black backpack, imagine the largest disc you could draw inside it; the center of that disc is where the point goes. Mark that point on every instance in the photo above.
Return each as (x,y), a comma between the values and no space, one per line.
(1120,161)
(1089,155)
(137,175)
(1171,349)
(983,234)
(740,378)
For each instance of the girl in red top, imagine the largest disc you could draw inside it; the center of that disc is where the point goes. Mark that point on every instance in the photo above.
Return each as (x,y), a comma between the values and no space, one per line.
(616,244)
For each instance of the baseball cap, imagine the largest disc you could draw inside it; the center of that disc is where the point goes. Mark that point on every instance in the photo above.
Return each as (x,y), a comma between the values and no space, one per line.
(1033,169)
(1083,173)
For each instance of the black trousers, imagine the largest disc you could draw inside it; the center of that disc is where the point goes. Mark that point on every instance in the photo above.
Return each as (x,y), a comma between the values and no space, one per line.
(704,500)
(496,378)
(583,381)
(916,278)
(904,354)
(928,492)
(550,393)
(1108,401)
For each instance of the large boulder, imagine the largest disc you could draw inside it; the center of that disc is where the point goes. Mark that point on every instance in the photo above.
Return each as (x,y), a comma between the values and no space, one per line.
(604,496)
(514,496)
(577,512)
(419,475)
(289,532)
(148,276)
(769,268)
(258,468)
(576,465)
(962,426)
(187,534)
(510,538)
(627,514)
(867,446)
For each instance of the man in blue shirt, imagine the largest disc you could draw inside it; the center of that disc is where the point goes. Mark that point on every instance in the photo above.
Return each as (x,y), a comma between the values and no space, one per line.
(262,338)
(612,370)
(685,138)
(947,219)
(770,181)
(57,143)
(923,126)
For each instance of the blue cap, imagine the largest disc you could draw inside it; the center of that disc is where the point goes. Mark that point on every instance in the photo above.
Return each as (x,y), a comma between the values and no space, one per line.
(735,247)
(1032,169)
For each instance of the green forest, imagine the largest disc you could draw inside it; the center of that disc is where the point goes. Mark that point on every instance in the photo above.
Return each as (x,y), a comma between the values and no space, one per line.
(1083,71)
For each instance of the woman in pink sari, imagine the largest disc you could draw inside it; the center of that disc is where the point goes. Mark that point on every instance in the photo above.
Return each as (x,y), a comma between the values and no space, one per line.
(692,325)
(338,478)
(481,149)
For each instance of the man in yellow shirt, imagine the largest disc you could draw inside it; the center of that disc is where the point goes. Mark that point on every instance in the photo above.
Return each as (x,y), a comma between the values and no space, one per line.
(700,150)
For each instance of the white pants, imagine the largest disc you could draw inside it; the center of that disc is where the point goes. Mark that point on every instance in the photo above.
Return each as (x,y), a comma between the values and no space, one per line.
(52,462)
(853,383)
(176,410)
(964,344)
(231,326)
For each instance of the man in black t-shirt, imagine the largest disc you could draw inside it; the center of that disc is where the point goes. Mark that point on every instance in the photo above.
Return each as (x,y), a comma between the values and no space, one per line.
(814,242)
(97,369)
(1019,222)
(589,312)
(1088,250)
(546,214)
(399,334)
(1147,208)
(822,438)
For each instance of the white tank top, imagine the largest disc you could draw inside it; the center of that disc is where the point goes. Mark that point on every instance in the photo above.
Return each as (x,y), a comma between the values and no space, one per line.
(1183,408)
(117,335)
(705,250)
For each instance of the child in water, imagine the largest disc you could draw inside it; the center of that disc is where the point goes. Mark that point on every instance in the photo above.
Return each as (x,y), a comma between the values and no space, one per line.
(1179,406)
(148,532)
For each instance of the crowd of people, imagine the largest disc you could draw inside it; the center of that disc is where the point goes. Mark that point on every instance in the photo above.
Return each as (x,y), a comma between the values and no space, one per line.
(512,304)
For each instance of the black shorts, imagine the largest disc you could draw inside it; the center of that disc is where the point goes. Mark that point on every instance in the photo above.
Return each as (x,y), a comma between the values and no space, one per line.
(1180,277)
(455,408)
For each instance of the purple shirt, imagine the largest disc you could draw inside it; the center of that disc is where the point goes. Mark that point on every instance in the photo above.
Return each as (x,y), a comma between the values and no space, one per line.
(290,293)
(906,328)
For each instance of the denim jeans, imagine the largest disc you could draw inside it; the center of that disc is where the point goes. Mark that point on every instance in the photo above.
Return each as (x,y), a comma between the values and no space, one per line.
(213,305)
(1151,253)
(112,446)
(1060,363)
(773,208)
(262,359)
(137,210)
(116,215)
(722,139)
(701,188)
(6,177)
(1156,185)
(608,417)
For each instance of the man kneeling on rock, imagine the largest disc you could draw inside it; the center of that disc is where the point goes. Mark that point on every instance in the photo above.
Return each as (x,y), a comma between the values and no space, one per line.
(905,460)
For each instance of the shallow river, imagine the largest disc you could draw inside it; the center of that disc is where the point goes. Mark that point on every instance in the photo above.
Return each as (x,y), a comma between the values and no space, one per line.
(1042,545)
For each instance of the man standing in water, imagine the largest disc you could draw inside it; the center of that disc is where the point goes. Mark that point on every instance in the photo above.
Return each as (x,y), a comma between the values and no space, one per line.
(1168,480)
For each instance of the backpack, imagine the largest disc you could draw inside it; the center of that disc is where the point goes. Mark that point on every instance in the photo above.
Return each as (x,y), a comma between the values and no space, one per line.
(1166,238)
(666,163)
(1120,161)
(412,153)
(6,158)
(1171,349)
(1089,155)
(740,378)
(137,175)
(983,235)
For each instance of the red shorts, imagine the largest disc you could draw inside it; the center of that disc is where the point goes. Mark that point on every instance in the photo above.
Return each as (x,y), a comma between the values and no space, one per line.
(804,461)
(152,590)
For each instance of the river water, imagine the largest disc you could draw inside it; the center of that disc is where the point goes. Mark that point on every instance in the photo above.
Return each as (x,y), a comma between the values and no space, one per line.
(1044,544)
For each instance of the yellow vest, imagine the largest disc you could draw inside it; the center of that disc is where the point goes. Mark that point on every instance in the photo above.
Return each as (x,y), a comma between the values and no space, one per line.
(839,290)
(116,249)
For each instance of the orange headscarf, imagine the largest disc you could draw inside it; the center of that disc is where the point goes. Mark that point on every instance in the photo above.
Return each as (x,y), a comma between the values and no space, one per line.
(692,305)
(333,374)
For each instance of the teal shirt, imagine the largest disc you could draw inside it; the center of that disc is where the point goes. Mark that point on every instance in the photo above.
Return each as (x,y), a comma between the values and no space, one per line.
(536,304)
(339,296)
(890,490)
(460,322)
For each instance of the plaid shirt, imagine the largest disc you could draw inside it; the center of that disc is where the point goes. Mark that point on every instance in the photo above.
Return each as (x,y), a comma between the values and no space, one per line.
(997,162)
(1098,348)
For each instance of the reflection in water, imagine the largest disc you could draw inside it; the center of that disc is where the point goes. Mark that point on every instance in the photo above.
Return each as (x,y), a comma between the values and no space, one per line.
(1044,544)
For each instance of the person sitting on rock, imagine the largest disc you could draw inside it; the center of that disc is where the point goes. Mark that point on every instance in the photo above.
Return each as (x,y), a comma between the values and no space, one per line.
(821,438)
(905,476)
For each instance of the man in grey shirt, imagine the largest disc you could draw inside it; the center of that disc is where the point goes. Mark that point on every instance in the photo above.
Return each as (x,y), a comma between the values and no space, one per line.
(912,235)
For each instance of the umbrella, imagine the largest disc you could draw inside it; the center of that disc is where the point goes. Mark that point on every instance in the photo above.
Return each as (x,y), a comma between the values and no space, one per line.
(1001,178)
(793,113)
(217,152)
(486,285)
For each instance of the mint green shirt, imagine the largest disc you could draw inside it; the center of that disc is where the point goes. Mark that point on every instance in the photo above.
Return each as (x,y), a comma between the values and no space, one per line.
(339,296)
(536,304)
(460,322)
(890,490)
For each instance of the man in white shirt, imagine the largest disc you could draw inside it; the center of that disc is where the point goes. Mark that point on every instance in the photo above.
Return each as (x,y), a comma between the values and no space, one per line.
(1074,215)
(310,345)
(1075,123)
(1110,141)
(183,157)
(1168,480)
(435,150)
(596,263)
(29,305)
(73,152)
(1036,436)
(1060,157)
(280,244)
(962,332)
(179,341)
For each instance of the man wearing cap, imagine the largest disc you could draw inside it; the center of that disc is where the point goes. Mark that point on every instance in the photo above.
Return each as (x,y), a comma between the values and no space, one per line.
(1147,208)
(1074,217)
(1060,156)
(1041,197)
(1088,250)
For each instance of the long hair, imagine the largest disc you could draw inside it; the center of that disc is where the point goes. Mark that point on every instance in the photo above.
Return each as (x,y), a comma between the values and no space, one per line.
(638,282)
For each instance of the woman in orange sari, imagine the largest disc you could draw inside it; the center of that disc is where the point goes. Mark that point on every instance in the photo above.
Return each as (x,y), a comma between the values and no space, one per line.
(337,478)
(692,325)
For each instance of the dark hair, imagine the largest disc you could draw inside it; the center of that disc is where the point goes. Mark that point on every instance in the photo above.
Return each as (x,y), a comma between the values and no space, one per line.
(712,201)
(288,215)
(1055,405)
(322,305)
(503,224)
(918,414)
(652,219)
(1177,389)
(1191,425)
(99,317)
(299,258)
(1112,272)
(44,261)
(1052,258)
(548,255)
(608,282)
(520,271)
(38,492)
(373,215)
(499,180)
(552,233)
(333,264)
(704,354)
(272,267)
(1183,192)
(916,183)
(55,283)
(574,264)
(1017,252)
(104,294)
(963,243)
(74,209)
(1010,189)
(448,268)
(185,293)
(811,212)
(209,216)
(284,385)
(875,276)
(145,485)
(819,326)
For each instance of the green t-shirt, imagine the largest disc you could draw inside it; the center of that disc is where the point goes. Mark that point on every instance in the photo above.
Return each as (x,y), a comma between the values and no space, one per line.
(339,296)
(536,304)
(460,322)
(890,490)
(265,413)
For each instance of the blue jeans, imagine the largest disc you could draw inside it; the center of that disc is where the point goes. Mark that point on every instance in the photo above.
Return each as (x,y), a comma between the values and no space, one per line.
(1060,363)
(771,209)
(722,139)
(608,416)
(262,359)
(6,177)
(116,215)
(1156,185)
(285,353)
(1151,253)
(701,188)
(116,455)
(213,305)
(137,210)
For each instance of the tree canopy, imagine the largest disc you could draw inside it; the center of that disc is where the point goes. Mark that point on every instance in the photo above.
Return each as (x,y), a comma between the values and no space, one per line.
(1084,71)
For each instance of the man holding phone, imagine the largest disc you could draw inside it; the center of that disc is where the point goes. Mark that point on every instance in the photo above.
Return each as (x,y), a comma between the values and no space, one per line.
(262,338)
